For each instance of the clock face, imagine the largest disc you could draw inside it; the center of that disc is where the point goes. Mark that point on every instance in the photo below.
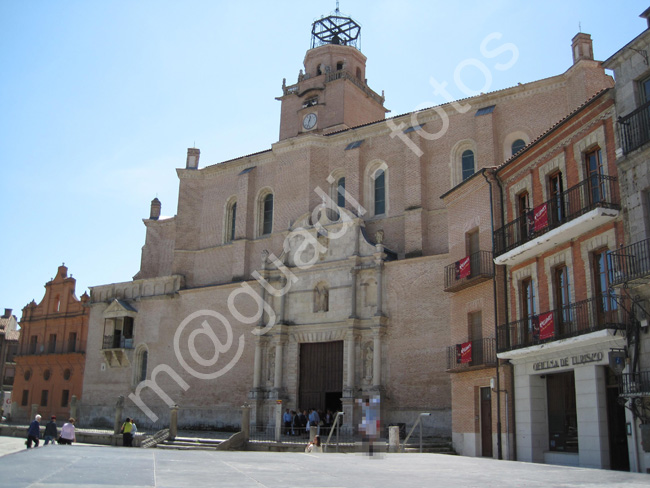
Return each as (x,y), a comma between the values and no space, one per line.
(309,122)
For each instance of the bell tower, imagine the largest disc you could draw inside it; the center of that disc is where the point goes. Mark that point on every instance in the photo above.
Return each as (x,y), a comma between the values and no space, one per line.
(331,94)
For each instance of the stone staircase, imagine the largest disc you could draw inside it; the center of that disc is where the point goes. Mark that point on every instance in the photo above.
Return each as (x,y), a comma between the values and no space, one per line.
(190,444)
(434,446)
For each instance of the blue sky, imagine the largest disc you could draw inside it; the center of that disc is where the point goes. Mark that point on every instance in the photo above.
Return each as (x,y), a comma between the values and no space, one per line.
(100,99)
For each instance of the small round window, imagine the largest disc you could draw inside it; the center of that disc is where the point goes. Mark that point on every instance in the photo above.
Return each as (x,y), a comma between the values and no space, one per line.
(28,375)
(46,374)
(66,374)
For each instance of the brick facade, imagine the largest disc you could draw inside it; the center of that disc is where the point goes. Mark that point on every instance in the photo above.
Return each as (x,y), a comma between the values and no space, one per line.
(382,262)
(51,355)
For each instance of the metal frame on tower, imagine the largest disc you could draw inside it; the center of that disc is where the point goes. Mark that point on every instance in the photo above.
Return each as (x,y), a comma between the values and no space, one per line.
(335,29)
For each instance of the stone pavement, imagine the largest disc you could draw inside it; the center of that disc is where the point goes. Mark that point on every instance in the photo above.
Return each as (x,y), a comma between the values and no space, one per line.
(102,467)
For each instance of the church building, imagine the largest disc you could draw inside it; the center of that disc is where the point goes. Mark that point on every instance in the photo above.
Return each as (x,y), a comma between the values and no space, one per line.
(314,272)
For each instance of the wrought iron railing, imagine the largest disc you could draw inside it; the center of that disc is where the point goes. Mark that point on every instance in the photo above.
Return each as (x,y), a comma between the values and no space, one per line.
(599,313)
(634,128)
(596,191)
(481,268)
(117,342)
(483,354)
(635,384)
(630,263)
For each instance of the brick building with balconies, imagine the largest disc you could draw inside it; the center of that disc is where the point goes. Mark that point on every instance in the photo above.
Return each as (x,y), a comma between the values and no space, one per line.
(51,354)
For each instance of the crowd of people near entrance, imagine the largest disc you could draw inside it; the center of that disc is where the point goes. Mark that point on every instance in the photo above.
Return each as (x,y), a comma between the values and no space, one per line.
(299,423)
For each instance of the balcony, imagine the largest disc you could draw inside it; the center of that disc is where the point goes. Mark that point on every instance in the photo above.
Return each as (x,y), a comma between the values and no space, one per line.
(591,315)
(116,349)
(634,384)
(481,268)
(117,341)
(483,353)
(634,128)
(630,265)
(579,209)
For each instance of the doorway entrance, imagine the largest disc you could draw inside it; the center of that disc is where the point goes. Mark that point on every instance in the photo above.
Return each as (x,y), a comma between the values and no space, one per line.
(486,422)
(618,454)
(321,376)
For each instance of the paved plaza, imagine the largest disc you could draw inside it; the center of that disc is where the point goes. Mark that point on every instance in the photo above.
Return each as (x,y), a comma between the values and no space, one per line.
(91,466)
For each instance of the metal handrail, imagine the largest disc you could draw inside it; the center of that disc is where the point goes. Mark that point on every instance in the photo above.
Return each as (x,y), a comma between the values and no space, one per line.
(336,426)
(423,414)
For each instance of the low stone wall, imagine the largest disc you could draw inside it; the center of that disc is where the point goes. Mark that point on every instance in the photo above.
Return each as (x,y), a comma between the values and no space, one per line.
(84,436)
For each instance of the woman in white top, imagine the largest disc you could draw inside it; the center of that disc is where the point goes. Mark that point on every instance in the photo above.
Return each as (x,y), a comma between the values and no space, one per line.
(314,446)
(67,433)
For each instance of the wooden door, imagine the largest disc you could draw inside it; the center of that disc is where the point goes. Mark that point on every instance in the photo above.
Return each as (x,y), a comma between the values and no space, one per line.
(321,376)
(486,422)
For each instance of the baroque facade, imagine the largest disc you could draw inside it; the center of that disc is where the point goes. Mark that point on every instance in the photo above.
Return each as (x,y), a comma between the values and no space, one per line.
(314,272)
(51,357)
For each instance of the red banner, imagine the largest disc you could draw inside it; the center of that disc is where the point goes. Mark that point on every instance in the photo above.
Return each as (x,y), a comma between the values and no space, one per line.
(546,326)
(462,268)
(540,216)
(465,352)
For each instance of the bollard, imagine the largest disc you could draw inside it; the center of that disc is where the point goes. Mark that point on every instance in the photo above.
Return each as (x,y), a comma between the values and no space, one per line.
(73,408)
(393,438)
(246,422)
(173,422)
(278,420)
(34,412)
(119,407)
(313,431)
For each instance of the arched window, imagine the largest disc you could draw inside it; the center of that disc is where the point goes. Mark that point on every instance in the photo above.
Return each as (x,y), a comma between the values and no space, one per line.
(142,373)
(339,65)
(467,164)
(380,192)
(231,218)
(340,192)
(517,146)
(266,214)
(358,73)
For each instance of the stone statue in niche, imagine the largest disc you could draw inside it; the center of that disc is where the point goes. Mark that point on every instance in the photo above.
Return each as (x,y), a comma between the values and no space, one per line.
(321,298)
(368,352)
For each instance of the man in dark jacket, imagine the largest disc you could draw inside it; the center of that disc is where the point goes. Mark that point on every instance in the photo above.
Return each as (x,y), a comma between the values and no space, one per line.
(33,432)
(51,432)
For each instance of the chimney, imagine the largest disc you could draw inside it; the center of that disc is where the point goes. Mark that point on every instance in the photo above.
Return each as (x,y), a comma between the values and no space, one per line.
(7,313)
(192,158)
(582,47)
(155,209)
(646,15)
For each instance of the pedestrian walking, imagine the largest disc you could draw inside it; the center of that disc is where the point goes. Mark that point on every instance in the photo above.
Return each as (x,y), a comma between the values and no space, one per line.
(33,432)
(51,431)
